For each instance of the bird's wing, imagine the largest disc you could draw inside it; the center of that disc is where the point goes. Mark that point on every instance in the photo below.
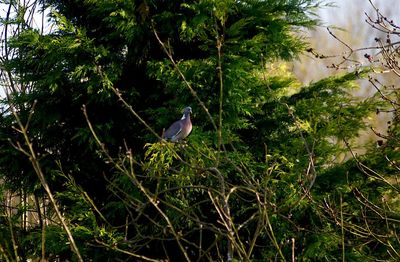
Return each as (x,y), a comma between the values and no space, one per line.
(173,130)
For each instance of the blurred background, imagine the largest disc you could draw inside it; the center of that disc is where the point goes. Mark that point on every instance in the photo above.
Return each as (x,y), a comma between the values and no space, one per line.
(347,20)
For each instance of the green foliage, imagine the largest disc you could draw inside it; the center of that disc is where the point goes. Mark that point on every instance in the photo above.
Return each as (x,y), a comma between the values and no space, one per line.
(259,177)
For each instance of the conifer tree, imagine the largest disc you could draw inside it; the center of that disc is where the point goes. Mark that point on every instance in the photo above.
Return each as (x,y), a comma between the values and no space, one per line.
(256,179)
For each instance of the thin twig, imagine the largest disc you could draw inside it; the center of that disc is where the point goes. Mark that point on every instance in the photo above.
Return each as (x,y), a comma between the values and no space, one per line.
(307,147)
(38,170)
(188,85)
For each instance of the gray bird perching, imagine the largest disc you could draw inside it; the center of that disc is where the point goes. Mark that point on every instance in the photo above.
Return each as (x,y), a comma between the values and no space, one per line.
(181,128)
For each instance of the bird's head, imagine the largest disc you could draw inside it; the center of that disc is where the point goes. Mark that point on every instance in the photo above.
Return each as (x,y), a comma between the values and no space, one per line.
(187,110)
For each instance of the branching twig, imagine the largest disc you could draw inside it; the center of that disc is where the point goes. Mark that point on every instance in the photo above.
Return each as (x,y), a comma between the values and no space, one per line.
(116,248)
(311,171)
(188,85)
(131,174)
(38,170)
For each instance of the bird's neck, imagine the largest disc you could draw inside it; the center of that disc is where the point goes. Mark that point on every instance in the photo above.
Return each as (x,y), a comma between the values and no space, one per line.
(185,116)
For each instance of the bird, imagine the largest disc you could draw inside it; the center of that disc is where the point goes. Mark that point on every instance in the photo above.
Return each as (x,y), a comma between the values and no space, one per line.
(180,129)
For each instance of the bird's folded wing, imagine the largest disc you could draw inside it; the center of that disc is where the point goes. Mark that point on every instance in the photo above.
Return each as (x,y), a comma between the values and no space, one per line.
(174,130)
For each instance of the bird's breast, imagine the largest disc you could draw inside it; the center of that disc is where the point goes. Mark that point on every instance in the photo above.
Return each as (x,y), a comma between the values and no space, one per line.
(187,128)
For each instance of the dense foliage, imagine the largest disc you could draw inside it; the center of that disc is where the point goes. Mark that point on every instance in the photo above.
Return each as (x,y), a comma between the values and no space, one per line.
(261,177)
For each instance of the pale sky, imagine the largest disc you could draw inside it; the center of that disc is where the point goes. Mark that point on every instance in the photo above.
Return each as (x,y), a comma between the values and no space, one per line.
(349,16)
(352,12)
